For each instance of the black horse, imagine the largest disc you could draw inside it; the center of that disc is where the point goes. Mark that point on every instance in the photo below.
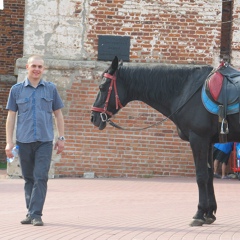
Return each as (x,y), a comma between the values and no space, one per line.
(174,91)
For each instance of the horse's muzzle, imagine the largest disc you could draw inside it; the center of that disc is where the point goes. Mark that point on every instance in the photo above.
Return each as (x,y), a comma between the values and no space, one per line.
(97,120)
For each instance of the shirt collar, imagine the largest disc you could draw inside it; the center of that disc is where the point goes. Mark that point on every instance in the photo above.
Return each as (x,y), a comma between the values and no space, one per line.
(27,82)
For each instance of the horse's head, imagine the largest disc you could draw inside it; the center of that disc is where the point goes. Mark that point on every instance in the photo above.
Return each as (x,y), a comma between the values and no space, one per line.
(107,102)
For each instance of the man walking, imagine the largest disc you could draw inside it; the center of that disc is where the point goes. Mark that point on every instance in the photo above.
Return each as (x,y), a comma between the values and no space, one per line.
(34,101)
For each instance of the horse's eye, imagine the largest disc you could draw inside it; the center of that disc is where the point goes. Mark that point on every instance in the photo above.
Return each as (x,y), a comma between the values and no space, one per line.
(104,84)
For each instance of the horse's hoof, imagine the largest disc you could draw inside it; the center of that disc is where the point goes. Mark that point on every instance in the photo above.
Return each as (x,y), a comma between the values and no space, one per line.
(209,220)
(197,222)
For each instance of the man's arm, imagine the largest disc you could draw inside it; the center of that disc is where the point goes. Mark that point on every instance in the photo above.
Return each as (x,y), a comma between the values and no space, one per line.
(10,124)
(60,127)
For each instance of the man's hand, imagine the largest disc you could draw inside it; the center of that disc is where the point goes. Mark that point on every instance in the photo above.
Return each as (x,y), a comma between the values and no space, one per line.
(8,150)
(59,146)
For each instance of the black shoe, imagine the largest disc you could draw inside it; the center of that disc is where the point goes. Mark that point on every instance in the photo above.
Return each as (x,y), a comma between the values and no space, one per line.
(37,222)
(27,220)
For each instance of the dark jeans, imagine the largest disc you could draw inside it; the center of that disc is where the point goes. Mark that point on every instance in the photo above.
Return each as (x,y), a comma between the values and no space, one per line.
(35,160)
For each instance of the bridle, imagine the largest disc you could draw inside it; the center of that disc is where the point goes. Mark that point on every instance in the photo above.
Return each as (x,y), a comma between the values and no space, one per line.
(103,111)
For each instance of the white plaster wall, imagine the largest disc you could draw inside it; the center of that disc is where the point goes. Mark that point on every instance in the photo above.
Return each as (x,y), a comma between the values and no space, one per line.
(53,29)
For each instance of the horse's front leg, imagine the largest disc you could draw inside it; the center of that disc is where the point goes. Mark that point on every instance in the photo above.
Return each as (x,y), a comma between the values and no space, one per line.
(210,217)
(200,149)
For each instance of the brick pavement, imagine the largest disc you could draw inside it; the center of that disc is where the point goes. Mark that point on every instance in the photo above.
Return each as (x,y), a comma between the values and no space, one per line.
(120,209)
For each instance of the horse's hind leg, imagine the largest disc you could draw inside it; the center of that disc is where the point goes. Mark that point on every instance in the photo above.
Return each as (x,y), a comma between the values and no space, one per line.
(200,149)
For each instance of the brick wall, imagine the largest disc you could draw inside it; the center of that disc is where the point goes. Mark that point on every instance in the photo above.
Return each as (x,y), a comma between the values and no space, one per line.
(166,31)
(11,34)
(163,31)
(157,151)
(160,31)
(11,48)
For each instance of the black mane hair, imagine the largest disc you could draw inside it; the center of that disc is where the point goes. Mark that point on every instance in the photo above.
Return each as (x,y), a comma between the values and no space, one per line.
(161,81)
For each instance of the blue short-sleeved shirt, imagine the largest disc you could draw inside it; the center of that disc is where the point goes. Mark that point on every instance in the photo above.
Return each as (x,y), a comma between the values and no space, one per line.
(35,107)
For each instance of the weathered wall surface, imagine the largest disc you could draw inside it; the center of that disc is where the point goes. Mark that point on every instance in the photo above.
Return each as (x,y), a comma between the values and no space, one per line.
(162,31)
(66,34)
(236,35)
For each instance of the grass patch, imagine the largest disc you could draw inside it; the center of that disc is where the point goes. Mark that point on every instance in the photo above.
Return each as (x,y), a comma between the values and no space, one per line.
(3,165)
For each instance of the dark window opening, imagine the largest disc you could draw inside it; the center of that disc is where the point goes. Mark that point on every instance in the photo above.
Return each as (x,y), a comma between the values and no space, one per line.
(226,30)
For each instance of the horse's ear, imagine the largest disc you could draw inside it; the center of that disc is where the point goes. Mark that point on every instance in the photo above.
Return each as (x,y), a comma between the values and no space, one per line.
(115,63)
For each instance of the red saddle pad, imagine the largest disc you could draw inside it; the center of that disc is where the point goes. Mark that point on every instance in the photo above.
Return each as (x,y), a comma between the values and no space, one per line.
(215,85)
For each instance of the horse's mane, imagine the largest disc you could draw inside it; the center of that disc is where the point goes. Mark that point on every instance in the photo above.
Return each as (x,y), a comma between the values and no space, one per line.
(161,81)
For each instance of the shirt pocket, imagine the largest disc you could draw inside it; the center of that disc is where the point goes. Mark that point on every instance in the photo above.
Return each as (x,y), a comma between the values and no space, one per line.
(23,105)
(46,104)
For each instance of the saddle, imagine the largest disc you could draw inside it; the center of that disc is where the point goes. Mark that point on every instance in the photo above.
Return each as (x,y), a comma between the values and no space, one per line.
(222,88)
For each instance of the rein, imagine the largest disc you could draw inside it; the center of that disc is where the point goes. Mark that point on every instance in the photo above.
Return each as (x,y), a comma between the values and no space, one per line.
(138,129)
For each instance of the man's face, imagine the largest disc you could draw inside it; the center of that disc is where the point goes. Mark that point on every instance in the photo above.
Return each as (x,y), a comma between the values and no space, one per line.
(35,69)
